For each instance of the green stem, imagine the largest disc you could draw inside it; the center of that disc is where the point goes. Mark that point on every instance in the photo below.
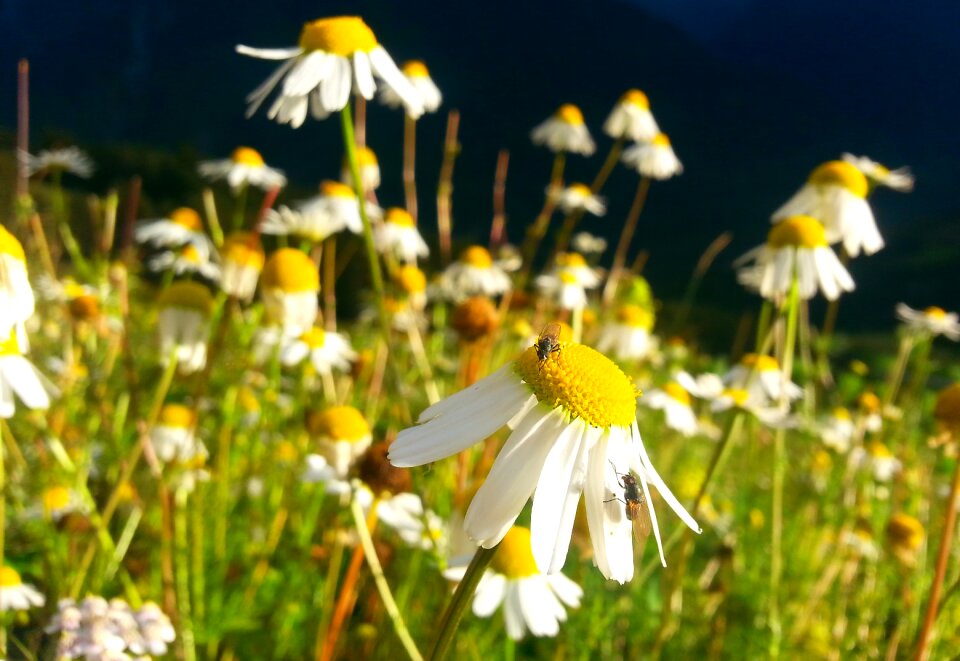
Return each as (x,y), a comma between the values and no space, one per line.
(240,208)
(3,525)
(450,620)
(182,560)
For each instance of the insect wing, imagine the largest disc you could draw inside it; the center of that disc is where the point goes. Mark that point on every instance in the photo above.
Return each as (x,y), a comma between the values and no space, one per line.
(640,516)
(550,332)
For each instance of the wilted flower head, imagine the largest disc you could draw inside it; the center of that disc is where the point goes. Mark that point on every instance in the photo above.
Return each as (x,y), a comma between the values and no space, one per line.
(398,235)
(475,318)
(905,536)
(185,309)
(245,167)
(243,258)
(369,169)
(564,131)
(417,74)
(173,437)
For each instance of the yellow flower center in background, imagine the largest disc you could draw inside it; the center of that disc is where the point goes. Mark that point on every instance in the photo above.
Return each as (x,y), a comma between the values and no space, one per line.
(935,313)
(636,98)
(415,69)
(571,259)
(762,363)
(187,294)
(9,245)
(340,423)
(191,254)
(342,35)
(568,278)
(331,188)
(187,217)
(676,392)
(570,114)
(314,338)
(285,452)
(399,217)
(247,156)
(248,400)
(840,173)
(291,271)
(661,140)
(797,232)
(55,499)
(10,346)
(738,395)
(878,450)
(635,316)
(243,248)
(366,157)
(947,408)
(905,530)
(579,189)
(9,578)
(514,558)
(177,415)
(412,280)
(822,461)
(869,402)
(840,413)
(477,256)
(584,382)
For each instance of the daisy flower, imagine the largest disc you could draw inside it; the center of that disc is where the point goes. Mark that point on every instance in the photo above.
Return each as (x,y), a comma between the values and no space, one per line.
(532,601)
(173,437)
(183,324)
(289,287)
(186,260)
(369,170)
(245,167)
(860,541)
(334,57)
(876,458)
(588,244)
(579,197)
(398,235)
(754,403)
(69,159)
(58,501)
(567,283)
(654,159)
(327,350)
(334,210)
(342,435)
(474,273)
(628,337)
(905,535)
(631,118)
(182,227)
(837,430)
(243,258)
(405,514)
(675,403)
(15,595)
(17,301)
(931,321)
(761,377)
(796,248)
(574,429)
(835,194)
(870,408)
(413,284)
(900,180)
(19,377)
(564,131)
(417,74)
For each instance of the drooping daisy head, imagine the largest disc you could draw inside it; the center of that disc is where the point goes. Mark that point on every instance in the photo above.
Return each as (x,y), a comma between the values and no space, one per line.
(185,309)
(369,169)
(628,337)
(760,376)
(242,259)
(187,259)
(796,249)
(173,437)
(68,159)
(579,197)
(900,180)
(17,301)
(342,435)
(564,131)
(245,167)
(327,350)
(398,235)
(289,286)
(416,72)
(567,282)
(930,321)
(334,57)
(15,595)
(474,273)
(655,159)
(182,226)
(631,118)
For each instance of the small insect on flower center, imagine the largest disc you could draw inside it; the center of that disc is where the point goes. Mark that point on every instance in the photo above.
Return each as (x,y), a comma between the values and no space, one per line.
(635,316)
(797,232)
(336,189)
(411,279)
(935,313)
(570,114)
(342,35)
(339,423)
(477,256)
(840,173)
(55,498)
(243,248)
(187,294)
(661,140)
(514,558)
(290,271)
(178,416)
(677,393)
(399,217)
(9,245)
(187,217)
(636,98)
(415,69)
(247,156)
(584,382)
(9,578)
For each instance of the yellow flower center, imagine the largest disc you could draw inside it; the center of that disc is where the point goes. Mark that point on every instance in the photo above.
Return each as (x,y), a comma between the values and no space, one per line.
(635,316)
(186,217)
(580,190)
(343,35)
(366,157)
(9,578)
(636,98)
(570,114)
(905,530)
(584,382)
(822,461)
(841,413)
(314,338)
(247,156)
(330,188)
(514,557)
(191,254)
(10,346)
(285,452)
(412,280)
(661,140)
(797,232)
(399,217)
(477,256)
(291,271)
(947,408)
(738,395)
(676,392)
(9,245)
(935,313)
(870,402)
(55,499)
(762,363)
(244,249)
(187,294)
(878,450)
(178,416)
(840,173)
(248,400)
(340,423)
(568,278)
(415,69)
(571,259)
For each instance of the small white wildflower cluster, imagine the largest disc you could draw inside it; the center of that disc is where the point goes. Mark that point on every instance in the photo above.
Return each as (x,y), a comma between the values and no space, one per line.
(96,630)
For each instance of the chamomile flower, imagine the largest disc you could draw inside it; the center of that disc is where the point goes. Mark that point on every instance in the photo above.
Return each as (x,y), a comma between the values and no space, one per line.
(754,403)
(243,259)
(532,600)
(564,131)
(405,514)
(17,301)
(418,75)
(628,337)
(796,248)
(900,180)
(835,194)
(871,410)
(186,260)
(876,458)
(579,197)
(19,377)
(573,417)
(654,159)
(58,501)
(930,321)
(289,287)
(183,324)
(837,430)
(675,403)
(327,350)
(860,540)
(15,595)
(334,210)
(413,283)
(69,159)
(342,435)
(173,437)
(334,57)
(761,377)
(568,281)
(588,244)
(474,273)
(905,536)
(182,227)
(398,235)
(631,118)
(369,170)
(245,167)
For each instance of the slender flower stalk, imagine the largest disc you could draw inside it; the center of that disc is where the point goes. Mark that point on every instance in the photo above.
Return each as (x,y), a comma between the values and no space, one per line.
(182,565)
(623,246)
(445,187)
(410,164)
(538,229)
(498,225)
(450,620)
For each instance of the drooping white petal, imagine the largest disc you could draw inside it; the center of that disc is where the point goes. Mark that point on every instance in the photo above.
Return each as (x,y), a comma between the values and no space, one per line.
(490,594)
(269,53)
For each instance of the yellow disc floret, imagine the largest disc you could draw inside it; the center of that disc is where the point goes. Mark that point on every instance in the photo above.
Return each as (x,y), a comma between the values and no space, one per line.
(399,217)
(187,294)
(840,173)
(314,338)
(635,316)
(571,259)
(178,416)
(933,312)
(841,413)
(9,245)
(244,249)
(762,363)
(570,114)
(9,578)
(331,188)
(738,396)
(584,382)
(411,279)
(10,346)
(869,402)
(55,499)
(339,423)
(636,98)
(878,450)
(677,393)
(366,157)
(797,232)
(581,190)
(247,156)
(187,217)
(342,35)
(291,271)
(661,140)
(477,256)
(514,558)
(415,69)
